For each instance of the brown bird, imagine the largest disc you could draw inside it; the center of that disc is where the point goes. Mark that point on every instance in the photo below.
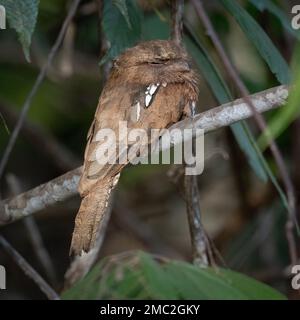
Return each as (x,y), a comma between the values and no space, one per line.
(151,86)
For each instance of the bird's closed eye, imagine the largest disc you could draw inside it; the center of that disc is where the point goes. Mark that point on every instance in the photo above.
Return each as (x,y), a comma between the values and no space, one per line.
(158,62)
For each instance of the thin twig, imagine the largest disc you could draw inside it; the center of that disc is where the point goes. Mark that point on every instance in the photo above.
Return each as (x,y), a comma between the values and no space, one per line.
(104,45)
(46,143)
(29,271)
(201,256)
(35,236)
(257,116)
(200,245)
(177,10)
(64,187)
(39,80)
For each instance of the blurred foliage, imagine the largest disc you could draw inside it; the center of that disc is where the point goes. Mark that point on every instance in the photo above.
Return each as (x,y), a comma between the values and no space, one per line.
(278,12)
(261,41)
(22,16)
(285,116)
(140,276)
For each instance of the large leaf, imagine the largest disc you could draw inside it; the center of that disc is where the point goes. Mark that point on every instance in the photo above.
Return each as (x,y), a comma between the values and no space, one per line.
(121,25)
(261,41)
(139,275)
(22,16)
(122,6)
(278,12)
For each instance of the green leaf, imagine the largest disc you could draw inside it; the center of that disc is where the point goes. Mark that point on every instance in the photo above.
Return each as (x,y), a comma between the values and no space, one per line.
(240,130)
(278,12)
(4,123)
(159,283)
(122,27)
(121,5)
(22,16)
(260,39)
(138,275)
(285,116)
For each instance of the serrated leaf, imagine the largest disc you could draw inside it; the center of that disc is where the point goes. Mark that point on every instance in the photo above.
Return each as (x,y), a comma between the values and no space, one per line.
(22,16)
(143,277)
(261,41)
(118,32)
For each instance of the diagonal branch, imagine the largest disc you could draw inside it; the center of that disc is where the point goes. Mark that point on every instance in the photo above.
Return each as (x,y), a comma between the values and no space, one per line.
(34,235)
(65,186)
(46,143)
(28,270)
(38,82)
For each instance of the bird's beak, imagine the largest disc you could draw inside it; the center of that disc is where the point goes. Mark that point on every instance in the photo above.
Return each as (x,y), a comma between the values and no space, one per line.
(182,66)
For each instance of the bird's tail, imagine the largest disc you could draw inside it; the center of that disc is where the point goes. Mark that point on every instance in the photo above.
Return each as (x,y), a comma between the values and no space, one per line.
(90,216)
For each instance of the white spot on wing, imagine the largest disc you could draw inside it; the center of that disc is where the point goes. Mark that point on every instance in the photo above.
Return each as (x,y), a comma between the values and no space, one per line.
(135,112)
(150,91)
(153,88)
(138,111)
(148,99)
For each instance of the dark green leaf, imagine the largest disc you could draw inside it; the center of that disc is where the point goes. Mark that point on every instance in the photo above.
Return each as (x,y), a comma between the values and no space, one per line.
(118,32)
(159,283)
(22,16)
(261,41)
(140,276)
(121,5)
(278,12)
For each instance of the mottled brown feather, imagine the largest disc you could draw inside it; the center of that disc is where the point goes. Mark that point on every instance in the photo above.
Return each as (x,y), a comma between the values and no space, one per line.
(148,63)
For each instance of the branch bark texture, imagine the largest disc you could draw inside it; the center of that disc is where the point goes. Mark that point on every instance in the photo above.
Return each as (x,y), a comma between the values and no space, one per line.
(65,186)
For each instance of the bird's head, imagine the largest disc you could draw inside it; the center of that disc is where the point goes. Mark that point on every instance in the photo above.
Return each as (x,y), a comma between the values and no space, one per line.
(155,62)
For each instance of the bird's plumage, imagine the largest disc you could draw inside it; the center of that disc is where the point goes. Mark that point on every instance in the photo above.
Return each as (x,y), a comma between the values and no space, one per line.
(150,86)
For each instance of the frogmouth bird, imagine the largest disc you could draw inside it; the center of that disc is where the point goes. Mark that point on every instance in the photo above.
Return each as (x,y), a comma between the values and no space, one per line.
(151,86)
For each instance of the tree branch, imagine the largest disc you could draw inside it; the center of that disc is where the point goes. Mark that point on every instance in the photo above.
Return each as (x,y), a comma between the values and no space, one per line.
(28,270)
(34,235)
(65,186)
(200,247)
(177,10)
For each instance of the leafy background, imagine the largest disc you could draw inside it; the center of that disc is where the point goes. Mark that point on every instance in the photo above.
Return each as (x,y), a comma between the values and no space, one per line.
(242,203)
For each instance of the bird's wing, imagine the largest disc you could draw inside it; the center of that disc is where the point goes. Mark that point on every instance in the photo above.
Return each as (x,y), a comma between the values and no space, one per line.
(131,104)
